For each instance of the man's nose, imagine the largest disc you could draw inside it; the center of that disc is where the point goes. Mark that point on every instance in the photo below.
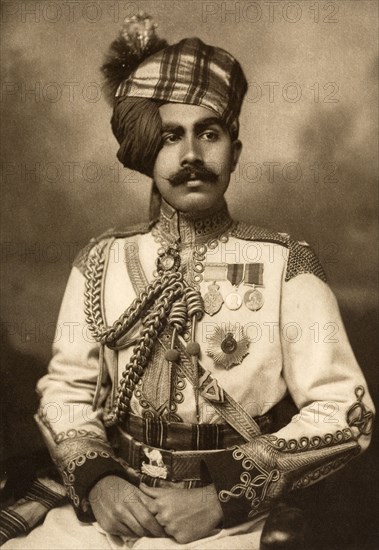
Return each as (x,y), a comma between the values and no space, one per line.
(191,151)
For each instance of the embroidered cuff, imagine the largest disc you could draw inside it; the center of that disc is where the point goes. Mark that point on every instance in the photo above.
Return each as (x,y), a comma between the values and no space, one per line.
(233,485)
(83,473)
(250,478)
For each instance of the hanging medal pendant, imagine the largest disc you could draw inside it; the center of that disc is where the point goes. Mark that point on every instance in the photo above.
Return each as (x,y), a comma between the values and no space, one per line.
(213,299)
(253,299)
(168,259)
(233,301)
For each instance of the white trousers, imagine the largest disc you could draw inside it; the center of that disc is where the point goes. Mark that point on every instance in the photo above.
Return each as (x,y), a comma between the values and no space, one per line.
(62,530)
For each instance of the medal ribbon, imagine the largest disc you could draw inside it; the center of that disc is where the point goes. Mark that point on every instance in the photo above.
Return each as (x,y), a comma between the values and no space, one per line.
(235,273)
(251,274)
(254,274)
(215,272)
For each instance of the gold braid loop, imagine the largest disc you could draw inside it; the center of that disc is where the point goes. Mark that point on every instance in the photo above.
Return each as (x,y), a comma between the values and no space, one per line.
(155,302)
(92,293)
(92,299)
(152,327)
(138,307)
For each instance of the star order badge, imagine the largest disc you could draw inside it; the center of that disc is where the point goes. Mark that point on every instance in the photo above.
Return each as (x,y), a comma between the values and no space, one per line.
(228,346)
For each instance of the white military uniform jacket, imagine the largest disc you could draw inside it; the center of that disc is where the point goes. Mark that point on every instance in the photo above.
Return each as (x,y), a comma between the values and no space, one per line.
(281,335)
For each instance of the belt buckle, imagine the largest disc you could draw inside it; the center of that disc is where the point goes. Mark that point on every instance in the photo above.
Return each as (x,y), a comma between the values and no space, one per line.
(156,467)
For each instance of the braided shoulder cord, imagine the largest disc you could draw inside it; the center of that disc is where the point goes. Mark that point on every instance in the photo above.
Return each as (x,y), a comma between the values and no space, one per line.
(92,299)
(152,327)
(138,307)
(163,292)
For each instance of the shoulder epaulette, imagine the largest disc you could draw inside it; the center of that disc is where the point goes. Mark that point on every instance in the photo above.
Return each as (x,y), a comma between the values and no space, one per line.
(113,233)
(301,258)
(249,232)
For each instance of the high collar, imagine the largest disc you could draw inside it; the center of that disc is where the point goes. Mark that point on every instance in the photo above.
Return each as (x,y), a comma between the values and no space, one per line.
(174,225)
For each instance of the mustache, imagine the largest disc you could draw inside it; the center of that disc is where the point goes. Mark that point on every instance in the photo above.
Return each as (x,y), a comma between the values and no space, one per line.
(199,172)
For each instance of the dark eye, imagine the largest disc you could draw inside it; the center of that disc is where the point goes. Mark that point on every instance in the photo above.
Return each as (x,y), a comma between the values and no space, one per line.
(169,139)
(210,135)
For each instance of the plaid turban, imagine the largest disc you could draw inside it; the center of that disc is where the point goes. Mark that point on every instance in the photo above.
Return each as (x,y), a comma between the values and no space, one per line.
(188,72)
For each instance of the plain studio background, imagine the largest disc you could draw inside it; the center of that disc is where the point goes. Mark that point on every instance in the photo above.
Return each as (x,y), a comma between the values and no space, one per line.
(308,167)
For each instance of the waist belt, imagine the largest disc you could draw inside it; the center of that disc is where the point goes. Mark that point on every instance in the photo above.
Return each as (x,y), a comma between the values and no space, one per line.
(148,445)
(148,448)
(188,437)
(161,463)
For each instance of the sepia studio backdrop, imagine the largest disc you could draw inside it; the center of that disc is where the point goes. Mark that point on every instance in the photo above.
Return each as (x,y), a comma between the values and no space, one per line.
(308,166)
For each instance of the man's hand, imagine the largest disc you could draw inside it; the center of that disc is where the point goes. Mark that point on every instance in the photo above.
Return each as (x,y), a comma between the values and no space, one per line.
(120,508)
(186,514)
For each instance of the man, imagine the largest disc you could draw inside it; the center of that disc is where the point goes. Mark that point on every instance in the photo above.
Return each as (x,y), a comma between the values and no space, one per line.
(197,395)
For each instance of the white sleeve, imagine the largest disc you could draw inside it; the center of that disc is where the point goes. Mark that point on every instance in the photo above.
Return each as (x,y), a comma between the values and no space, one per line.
(74,433)
(335,416)
(320,369)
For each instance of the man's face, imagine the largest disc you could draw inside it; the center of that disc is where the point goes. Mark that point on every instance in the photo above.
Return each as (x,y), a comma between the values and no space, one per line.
(192,170)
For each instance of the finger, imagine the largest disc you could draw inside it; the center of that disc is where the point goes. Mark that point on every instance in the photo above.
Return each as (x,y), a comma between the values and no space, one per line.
(161,521)
(125,531)
(169,532)
(150,503)
(132,523)
(147,520)
(150,491)
(118,529)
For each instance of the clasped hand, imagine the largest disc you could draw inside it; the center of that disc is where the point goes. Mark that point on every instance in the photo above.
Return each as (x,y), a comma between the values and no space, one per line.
(120,508)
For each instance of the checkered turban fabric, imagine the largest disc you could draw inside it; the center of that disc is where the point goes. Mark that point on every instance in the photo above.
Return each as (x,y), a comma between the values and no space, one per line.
(194,73)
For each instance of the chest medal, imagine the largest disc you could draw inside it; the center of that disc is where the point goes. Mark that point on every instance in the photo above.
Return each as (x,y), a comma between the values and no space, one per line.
(235,272)
(233,301)
(213,299)
(253,300)
(228,346)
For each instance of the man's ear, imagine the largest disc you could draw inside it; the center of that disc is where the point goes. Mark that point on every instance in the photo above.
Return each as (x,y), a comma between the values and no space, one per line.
(237,148)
